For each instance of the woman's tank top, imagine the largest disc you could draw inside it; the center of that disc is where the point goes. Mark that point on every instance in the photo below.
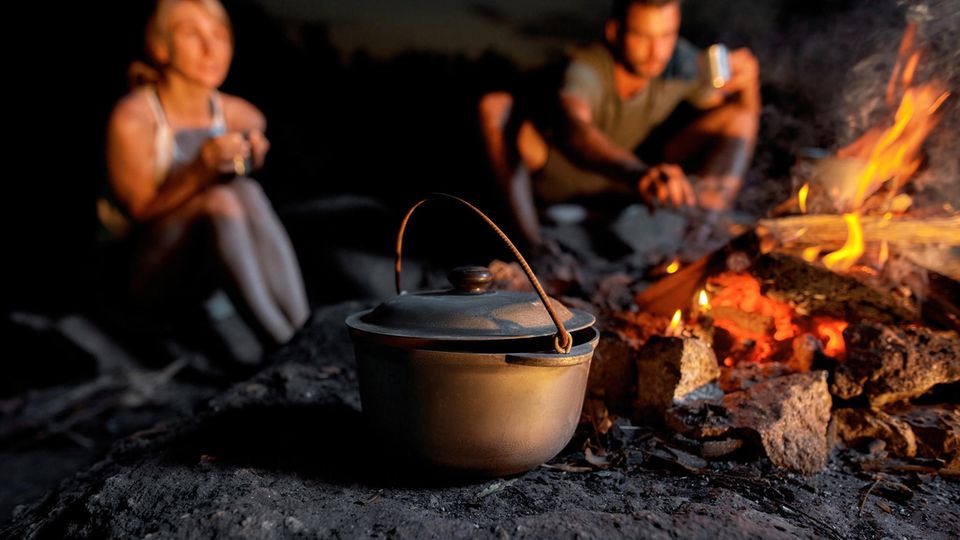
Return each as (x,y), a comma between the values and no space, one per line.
(182,146)
(171,148)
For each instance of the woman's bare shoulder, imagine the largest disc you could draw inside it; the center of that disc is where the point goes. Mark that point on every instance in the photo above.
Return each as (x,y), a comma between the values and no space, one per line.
(241,115)
(132,111)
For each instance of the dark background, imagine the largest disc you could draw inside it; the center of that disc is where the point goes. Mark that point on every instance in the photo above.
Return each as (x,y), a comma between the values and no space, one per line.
(395,119)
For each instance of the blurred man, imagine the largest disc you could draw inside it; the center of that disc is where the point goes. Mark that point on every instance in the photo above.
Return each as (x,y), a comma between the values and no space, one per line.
(613,95)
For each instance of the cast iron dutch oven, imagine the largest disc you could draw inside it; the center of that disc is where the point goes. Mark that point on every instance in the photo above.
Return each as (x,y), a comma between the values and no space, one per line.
(471,379)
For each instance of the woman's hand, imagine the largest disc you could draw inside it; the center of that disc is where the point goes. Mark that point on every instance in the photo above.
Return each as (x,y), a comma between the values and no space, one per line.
(259,146)
(226,154)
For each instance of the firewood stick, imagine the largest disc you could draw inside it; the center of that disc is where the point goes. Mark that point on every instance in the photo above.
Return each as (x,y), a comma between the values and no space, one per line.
(828,230)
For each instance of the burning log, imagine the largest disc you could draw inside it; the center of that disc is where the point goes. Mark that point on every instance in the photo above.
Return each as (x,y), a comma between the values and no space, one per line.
(790,415)
(817,291)
(929,243)
(830,231)
(887,364)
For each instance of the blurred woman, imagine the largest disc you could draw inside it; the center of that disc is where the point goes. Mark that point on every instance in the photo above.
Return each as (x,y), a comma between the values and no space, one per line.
(179,153)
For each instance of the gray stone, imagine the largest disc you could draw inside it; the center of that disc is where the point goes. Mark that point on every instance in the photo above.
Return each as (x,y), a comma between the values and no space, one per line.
(887,364)
(671,371)
(855,425)
(790,415)
(937,430)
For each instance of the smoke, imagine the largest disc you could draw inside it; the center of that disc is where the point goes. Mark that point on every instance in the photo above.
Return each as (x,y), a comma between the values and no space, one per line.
(825,67)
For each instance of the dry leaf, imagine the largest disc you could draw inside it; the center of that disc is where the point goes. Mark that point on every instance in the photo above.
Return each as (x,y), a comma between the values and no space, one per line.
(567,467)
(599,461)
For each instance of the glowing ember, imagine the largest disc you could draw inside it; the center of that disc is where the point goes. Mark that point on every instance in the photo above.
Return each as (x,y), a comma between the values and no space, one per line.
(802,197)
(673,266)
(742,291)
(830,333)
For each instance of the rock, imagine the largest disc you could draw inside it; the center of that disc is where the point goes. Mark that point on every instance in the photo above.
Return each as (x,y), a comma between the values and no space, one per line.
(612,372)
(855,425)
(699,420)
(743,375)
(672,370)
(937,430)
(719,448)
(790,414)
(888,364)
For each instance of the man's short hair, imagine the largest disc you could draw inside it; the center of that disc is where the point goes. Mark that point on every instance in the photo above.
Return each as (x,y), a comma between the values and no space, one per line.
(620,7)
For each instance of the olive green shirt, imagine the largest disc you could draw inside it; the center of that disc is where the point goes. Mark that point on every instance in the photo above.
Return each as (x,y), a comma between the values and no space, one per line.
(627,123)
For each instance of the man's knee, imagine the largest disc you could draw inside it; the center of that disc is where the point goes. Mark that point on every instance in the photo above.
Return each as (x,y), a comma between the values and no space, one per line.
(730,120)
(494,110)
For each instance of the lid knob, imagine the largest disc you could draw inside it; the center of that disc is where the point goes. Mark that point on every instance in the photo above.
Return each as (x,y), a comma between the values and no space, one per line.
(471,279)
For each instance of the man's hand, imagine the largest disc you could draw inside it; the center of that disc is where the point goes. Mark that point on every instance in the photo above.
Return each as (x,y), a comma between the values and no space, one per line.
(666,182)
(744,76)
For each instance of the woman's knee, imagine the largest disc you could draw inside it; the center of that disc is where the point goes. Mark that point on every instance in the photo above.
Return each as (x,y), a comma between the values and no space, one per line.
(222,203)
(254,199)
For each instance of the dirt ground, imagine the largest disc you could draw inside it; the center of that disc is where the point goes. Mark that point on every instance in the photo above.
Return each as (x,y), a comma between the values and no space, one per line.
(285,454)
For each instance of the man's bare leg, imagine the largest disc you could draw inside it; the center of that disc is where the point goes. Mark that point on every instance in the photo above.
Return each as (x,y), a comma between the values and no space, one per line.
(723,139)
(512,154)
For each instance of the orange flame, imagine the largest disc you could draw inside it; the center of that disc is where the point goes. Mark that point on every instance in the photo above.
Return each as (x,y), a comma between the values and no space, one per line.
(810,254)
(845,257)
(674,323)
(890,155)
(673,266)
(702,300)
(802,197)
(884,254)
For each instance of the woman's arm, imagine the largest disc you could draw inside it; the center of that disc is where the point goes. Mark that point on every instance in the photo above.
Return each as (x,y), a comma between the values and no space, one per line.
(244,117)
(132,162)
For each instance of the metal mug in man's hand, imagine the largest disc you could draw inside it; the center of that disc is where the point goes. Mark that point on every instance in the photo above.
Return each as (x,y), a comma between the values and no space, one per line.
(718,65)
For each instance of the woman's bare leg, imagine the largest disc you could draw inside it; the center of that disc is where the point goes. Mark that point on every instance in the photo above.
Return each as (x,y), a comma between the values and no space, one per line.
(275,254)
(172,254)
(236,249)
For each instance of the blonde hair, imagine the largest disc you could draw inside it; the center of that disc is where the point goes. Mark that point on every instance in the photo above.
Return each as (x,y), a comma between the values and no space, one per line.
(150,72)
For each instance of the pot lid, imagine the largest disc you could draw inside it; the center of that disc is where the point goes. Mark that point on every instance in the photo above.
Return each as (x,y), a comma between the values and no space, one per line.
(469,311)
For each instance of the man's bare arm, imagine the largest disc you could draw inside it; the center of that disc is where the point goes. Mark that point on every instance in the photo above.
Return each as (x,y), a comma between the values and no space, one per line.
(590,148)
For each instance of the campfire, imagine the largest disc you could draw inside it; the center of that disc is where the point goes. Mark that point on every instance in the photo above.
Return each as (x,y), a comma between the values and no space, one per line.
(819,326)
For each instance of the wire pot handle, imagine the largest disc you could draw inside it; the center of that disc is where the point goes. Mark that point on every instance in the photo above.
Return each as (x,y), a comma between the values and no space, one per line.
(562,341)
